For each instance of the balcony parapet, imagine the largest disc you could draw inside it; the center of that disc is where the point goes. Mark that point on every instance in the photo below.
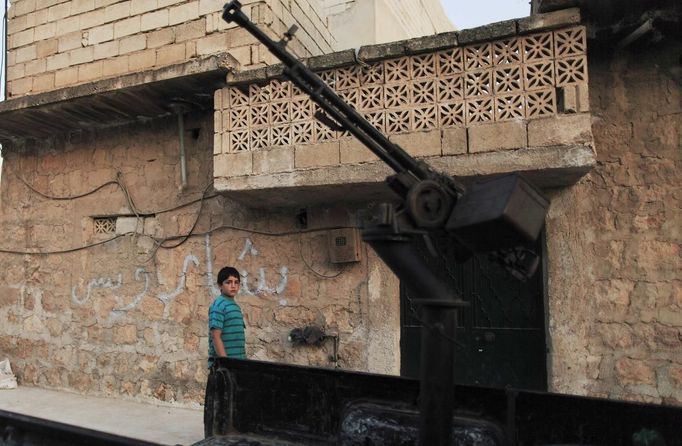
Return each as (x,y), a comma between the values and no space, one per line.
(509,96)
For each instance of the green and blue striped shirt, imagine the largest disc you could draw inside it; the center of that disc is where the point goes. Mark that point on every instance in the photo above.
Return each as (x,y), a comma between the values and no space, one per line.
(226,315)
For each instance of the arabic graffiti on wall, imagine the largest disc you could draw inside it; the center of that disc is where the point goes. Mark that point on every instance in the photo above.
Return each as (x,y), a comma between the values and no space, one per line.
(251,286)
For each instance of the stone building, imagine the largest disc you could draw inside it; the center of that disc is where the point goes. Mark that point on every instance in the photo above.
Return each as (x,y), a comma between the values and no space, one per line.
(133,171)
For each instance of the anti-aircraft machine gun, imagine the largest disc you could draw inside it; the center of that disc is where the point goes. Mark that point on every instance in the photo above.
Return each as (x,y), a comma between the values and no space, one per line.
(501,216)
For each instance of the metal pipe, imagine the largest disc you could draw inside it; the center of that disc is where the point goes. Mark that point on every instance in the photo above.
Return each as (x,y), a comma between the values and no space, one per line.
(439,311)
(636,34)
(183,160)
(436,393)
(4,50)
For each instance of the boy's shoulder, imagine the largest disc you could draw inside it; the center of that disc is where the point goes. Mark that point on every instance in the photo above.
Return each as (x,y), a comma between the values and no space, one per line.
(222,302)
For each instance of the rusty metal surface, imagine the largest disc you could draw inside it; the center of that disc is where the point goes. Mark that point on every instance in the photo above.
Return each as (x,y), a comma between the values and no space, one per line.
(112,102)
(24,430)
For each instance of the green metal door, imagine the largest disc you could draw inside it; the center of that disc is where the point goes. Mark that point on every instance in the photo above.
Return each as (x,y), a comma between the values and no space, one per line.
(500,335)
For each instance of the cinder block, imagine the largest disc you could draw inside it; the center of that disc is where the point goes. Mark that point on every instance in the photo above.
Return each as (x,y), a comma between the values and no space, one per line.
(560,130)
(454,141)
(70,41)
(159,38)
(43,82)
(21,38)
(81,55)
(57,12)
(89,72)
(142,60)
(355,152)
(190,49)
(170,54)
(212,44)
(217,143)
(218,121)
(92,19)
(35,67)
(554,19)
(317,155)
(568,99)
(276,160)
(18,24)
(238,37)
(81,6)
(142,6)
(46,48)
(16,72)
(46,31)
(100,34)
(154,20)
(184,13)
(191,30)
(20,86)
(57,61)
(25,54)
(117,11)
(22,8)
(233,164)
(115,66)
(225,142)
(125,225)
(419,143)
(497,136)
(218,100)
(242,54)
(106,50)
(65,77)
(68,25)
(132,44)
(209,6)
(583,97)
(127,27)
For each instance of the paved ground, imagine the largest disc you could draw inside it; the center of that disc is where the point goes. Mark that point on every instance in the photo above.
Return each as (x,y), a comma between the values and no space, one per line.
(160,424)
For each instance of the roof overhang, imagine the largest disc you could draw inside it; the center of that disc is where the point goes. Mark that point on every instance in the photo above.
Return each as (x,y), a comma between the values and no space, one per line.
(110,102)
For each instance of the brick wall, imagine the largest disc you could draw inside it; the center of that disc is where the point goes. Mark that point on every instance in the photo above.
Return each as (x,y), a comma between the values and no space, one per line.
(55,43)
(111,320)
(615,240)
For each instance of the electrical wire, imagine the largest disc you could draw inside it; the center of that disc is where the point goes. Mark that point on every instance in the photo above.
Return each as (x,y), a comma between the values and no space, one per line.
(162,243)
(305,262)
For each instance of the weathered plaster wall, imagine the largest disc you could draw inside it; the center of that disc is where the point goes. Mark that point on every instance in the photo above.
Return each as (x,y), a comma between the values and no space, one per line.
(104,321)
(59,43)
(614,240)
(360,22)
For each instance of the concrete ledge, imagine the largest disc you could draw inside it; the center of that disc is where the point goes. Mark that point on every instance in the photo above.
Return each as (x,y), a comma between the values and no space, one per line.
(115,101)
(555,166)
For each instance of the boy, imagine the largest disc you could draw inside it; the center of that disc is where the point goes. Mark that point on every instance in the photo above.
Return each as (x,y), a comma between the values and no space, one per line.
(225,319)
(225,339)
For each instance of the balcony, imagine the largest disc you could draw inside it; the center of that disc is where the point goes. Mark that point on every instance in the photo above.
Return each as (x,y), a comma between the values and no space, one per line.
(511,96)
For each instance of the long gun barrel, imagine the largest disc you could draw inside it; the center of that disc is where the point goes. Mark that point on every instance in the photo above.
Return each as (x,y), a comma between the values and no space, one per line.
(348,118)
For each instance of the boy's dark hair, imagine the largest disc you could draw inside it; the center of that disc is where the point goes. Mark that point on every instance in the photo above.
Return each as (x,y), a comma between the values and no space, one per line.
(227,272)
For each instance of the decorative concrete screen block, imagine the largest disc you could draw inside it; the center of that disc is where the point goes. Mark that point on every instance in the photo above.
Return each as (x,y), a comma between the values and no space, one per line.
(510,80)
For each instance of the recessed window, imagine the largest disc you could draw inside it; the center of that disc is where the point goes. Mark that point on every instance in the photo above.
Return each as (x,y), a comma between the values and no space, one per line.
(104,225)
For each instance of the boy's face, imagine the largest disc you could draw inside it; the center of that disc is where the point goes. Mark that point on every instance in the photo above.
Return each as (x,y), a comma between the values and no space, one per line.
(230,286)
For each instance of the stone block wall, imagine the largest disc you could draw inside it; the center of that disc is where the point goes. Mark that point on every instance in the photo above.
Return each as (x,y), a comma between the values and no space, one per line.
(515,93)
(60,43)
(615,239)
(125,316)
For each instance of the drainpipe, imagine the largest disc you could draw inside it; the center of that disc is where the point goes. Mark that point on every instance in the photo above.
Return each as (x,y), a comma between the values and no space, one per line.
(4,48)
(180,112)
(636,34)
